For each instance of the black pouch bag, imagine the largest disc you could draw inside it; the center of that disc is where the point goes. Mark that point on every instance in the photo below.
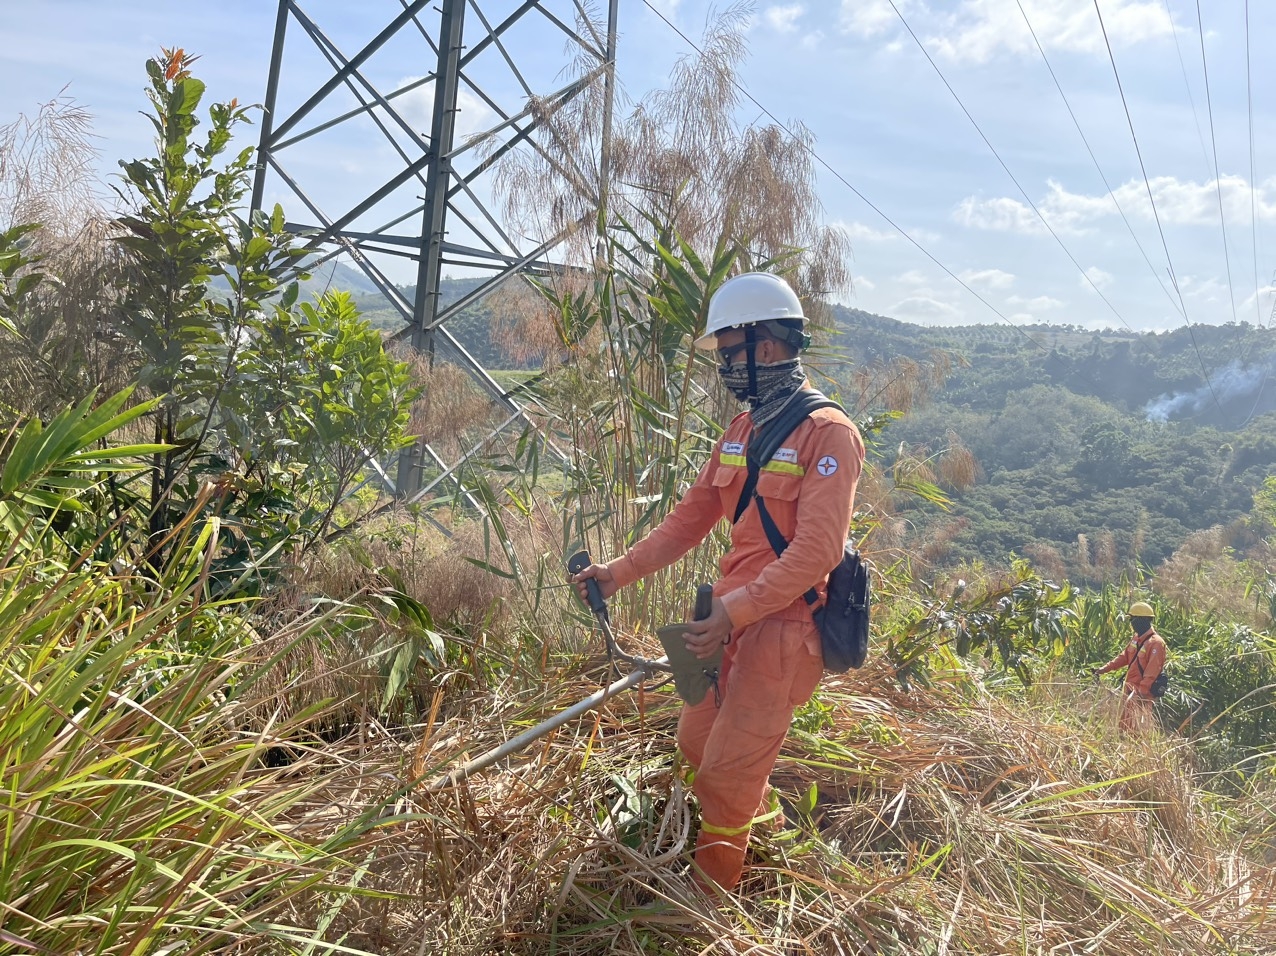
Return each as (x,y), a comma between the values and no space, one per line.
(843,621)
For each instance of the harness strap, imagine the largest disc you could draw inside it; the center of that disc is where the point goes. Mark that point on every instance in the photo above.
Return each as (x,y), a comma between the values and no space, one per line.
(1138,649)
(778,542)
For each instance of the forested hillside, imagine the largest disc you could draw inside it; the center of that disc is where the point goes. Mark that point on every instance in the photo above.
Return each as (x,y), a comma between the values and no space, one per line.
(1097,451)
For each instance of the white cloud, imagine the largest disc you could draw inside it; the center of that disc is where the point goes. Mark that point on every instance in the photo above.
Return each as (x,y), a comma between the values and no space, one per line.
(783,19)
(980,29)
(987,278)
(924,308)
(861,232)
(862,284)
(1002,214)
(1178,202)
(1040,303)
(1098,277)
(1266,303)
(912,277)
(417,107)
(1209,289)
(869,18)
(1196,204)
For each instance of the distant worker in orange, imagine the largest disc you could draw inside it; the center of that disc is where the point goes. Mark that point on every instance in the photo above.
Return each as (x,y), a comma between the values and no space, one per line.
(772,658)
(1143,660)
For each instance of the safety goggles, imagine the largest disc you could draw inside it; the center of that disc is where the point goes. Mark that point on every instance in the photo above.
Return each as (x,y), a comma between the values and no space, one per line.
(726,355)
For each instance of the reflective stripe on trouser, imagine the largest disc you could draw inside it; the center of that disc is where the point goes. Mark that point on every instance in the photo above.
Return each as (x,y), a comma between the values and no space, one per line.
(767,671)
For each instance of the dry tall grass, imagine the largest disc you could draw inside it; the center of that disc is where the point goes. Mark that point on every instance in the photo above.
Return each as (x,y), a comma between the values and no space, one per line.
(451,412)
(680,158)
(72,337)
(480,617)
(947,822)
(1210,573)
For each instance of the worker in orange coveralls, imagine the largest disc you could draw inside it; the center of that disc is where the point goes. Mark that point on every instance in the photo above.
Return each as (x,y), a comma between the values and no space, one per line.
(772,660)
(1143,660)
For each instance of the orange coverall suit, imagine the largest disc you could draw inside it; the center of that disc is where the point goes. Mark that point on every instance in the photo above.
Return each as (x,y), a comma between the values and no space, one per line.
(1143,660)
(772,662)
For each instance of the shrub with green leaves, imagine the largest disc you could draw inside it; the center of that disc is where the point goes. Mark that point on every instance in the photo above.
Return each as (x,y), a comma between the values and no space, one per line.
(283,406)
(279,406)
(1011,621)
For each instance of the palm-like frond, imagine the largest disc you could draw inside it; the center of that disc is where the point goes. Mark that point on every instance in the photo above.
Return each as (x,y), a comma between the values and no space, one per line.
(47,469)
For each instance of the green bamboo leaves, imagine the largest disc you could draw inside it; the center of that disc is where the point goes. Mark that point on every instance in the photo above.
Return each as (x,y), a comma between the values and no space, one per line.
(49,469)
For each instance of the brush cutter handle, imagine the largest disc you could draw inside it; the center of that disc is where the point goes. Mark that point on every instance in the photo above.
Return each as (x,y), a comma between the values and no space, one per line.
(598,604)
(704,601)
(579,562)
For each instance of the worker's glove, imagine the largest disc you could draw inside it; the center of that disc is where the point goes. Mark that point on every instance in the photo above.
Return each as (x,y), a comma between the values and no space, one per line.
(1094,674)
(692,676)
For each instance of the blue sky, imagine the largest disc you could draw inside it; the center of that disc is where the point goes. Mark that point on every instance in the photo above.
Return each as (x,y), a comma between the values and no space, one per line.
(883,120)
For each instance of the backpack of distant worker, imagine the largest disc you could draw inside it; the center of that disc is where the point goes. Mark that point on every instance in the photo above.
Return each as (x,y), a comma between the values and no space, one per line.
(843,621)
(1160,685)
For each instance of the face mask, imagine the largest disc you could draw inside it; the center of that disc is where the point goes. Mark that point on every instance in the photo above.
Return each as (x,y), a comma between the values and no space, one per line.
(736,379)
(773,384)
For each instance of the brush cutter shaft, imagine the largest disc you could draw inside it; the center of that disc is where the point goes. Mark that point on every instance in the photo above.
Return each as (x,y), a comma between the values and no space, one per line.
(644,669)
(635,660)
(527,737)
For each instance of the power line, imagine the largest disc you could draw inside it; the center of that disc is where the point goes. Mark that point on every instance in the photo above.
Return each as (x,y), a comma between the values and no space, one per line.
(1023,192)
(842,179)
(1111,192)
(1253,210)
(1187,85)
(1155,215)
(1218,185)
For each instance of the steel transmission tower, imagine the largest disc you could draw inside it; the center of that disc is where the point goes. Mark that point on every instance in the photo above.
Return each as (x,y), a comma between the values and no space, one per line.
(378,132)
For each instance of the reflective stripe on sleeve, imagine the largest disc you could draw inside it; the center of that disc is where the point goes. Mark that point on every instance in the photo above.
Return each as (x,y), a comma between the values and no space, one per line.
(784,468)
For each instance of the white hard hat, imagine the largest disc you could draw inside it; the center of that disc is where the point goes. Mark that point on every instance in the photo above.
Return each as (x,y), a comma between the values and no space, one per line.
(747,300)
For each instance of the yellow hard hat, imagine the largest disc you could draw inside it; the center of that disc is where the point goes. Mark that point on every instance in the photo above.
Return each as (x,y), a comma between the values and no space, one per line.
(1141,609)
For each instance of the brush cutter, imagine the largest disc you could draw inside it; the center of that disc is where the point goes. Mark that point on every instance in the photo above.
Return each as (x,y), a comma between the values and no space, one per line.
(692,677)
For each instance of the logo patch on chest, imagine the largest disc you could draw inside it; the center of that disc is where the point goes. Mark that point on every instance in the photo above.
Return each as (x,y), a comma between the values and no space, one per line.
(785,454)
(732,448)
